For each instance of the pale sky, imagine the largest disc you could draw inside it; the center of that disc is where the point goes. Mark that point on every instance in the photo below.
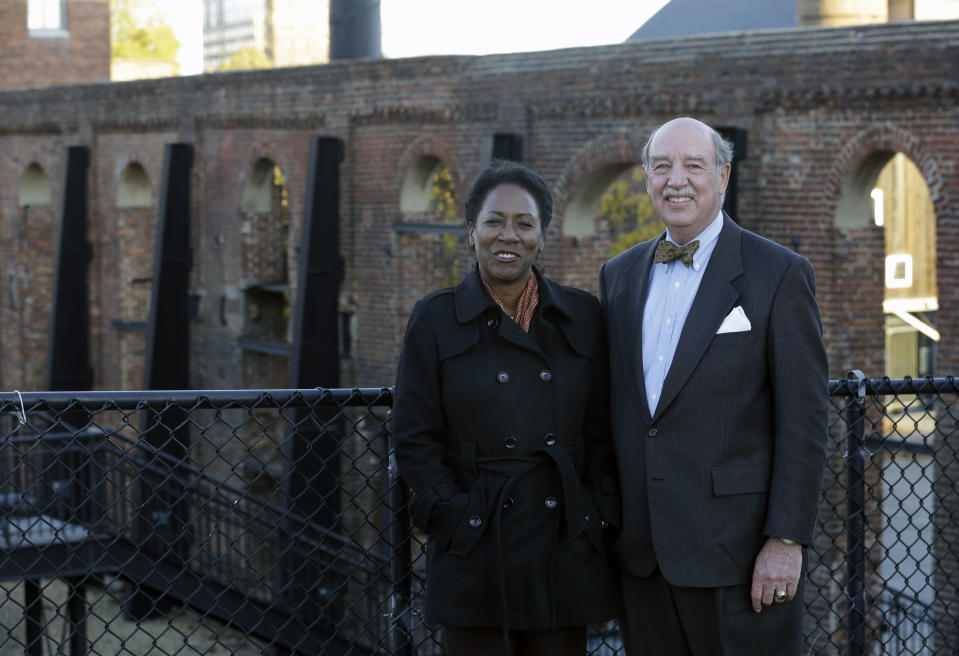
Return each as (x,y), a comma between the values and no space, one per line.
(411,28)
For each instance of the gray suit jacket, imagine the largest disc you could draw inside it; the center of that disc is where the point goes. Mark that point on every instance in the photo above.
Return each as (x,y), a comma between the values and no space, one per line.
(736,449)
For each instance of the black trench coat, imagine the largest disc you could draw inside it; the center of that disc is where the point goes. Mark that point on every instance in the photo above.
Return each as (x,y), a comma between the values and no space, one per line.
(503,437)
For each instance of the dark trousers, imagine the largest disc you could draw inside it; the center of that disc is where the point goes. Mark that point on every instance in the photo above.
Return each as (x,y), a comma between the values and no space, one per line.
(483,641)
(661,619)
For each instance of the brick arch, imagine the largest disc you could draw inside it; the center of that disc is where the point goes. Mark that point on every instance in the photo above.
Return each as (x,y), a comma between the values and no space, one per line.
(860,247)
(589,172)
(410,170)
(868,151)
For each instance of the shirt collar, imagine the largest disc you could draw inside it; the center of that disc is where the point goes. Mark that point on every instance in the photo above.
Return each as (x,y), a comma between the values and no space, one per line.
(707,239)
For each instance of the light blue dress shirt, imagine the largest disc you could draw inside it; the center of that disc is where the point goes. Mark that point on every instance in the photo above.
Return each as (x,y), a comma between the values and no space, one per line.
(672,288)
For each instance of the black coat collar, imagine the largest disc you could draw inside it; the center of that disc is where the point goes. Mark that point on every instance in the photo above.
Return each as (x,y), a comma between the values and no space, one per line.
(471,299)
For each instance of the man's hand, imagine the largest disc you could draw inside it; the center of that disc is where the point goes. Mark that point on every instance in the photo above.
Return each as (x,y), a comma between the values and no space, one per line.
(777,567)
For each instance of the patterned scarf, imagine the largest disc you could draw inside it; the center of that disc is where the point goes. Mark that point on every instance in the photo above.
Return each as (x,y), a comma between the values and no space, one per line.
(524,306)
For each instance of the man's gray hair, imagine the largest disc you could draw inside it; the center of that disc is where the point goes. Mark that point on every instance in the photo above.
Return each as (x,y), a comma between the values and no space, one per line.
(722,147)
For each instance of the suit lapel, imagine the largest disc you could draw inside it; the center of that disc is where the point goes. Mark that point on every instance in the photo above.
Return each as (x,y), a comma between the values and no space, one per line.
(629,325)
(715,297)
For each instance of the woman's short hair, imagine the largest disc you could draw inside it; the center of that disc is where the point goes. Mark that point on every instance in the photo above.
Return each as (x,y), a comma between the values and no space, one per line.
(502,171)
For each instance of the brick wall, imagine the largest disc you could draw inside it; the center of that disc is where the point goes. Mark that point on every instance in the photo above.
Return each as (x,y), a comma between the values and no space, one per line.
(79,54)
(819,107)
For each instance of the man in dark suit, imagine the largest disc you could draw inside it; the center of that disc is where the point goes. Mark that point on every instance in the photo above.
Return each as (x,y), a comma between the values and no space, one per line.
(719,409)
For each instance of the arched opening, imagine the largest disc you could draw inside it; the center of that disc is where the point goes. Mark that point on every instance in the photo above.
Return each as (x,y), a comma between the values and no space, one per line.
(134,188)
(266,332)
(34,187)
(903,208)
(418,185)
(886,209)
(431,245)
(265,229)
(607,212)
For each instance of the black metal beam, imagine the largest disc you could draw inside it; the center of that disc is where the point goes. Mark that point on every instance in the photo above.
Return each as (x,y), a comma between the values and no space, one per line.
(313,443)
(68,356)
(737,137)
(315,353)
(167,360)
(167,354)
(502,146)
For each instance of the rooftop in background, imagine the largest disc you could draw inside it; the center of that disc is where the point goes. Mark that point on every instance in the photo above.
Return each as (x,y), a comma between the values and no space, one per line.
(686,17)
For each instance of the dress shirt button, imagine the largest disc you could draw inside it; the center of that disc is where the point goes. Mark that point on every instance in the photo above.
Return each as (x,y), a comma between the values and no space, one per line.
(510,442)
(551,503)
(475,521)
(545,375)
(653,432)
(549,439)
(502,377)
(493,323)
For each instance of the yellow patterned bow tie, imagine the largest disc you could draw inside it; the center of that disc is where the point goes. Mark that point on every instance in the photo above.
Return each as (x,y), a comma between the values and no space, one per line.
(667,251)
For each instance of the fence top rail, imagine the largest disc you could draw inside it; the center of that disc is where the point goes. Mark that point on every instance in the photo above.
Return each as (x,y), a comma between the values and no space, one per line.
(850,386)
(210,399)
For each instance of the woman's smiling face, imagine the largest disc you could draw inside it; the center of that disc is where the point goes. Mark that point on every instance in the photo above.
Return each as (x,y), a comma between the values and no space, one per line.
(507,235)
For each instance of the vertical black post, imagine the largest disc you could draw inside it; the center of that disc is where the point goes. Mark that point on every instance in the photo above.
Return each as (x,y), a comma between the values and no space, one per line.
(33,613)
(855,518)
(77,613)
(164,510)
(68,357)
(502,146)
(401,555)
(313,443)
(68,368)
(167,354)
(737,137)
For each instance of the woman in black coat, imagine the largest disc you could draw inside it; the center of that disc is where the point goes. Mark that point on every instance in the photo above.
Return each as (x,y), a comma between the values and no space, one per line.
(500,424)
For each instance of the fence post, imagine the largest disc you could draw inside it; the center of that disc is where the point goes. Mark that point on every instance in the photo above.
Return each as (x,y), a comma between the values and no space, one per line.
(401,600)
(855,518)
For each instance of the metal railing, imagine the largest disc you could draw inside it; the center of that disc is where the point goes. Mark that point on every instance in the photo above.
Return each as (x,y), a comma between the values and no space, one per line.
(272,522)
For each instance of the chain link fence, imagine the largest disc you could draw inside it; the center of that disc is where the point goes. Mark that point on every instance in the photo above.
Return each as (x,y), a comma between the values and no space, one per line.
(271,522)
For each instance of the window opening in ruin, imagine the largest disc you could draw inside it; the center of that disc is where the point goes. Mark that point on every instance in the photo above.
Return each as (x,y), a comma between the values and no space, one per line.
(266,334)
(431,242)
(611,201)
(34,187)
(887,192)
(46,17)
(910,298)
(134,188)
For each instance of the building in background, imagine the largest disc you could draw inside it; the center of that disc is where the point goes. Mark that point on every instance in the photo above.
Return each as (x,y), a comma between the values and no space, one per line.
(47,42)
(285,32)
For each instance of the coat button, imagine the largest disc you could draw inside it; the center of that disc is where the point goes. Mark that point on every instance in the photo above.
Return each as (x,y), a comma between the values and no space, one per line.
(492,323)
(475,521)
(545,375)
(508,503)
(502,377)
(510,442)
(551,503)
(586,519)
(549,439)
(653,432)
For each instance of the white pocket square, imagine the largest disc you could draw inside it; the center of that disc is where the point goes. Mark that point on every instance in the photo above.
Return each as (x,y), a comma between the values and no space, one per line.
(735,322)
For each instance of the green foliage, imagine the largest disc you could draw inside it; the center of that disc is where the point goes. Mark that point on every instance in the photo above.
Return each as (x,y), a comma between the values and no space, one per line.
(443,207)
(133,38)
(246,59)
(442,203)
(629,212)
